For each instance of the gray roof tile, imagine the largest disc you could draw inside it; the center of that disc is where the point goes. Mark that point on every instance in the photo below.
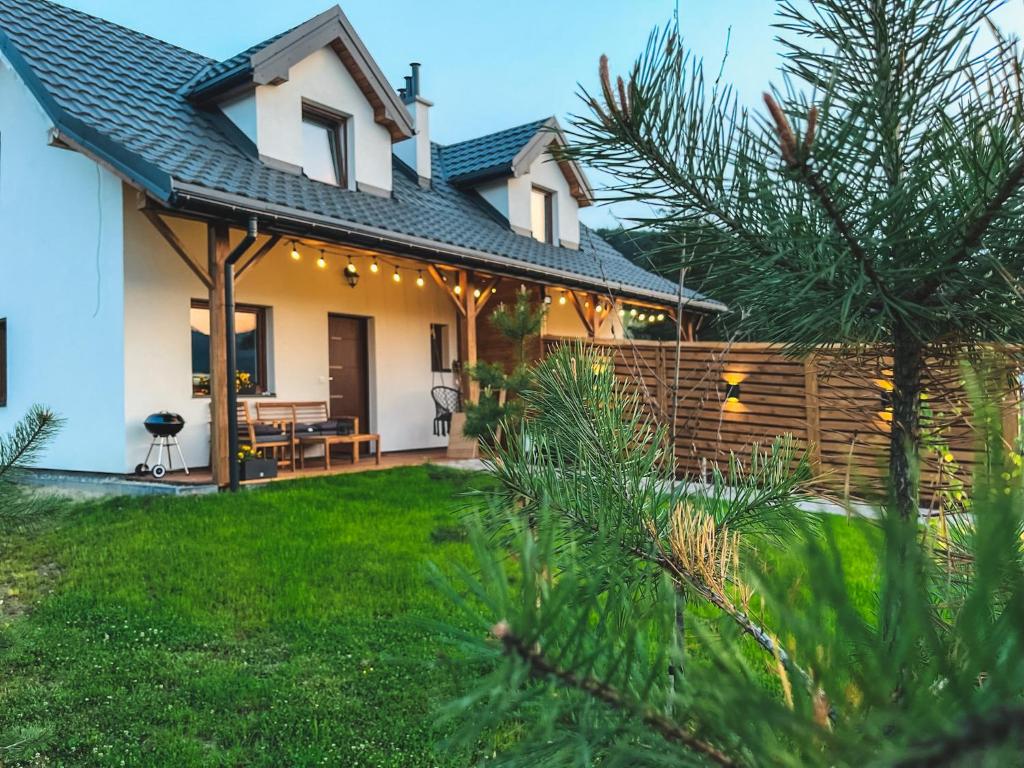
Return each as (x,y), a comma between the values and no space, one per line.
(129,87)
(492,153)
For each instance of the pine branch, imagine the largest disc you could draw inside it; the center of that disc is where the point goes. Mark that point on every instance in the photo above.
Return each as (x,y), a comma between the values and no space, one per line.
(27,440)
(976,231)
(541,668)
(796,159)
(977,734)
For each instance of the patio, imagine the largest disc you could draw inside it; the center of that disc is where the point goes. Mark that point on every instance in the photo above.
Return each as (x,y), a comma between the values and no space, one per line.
(340,465)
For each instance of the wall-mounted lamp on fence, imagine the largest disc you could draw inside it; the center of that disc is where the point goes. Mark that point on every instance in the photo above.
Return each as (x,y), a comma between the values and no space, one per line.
(732,393)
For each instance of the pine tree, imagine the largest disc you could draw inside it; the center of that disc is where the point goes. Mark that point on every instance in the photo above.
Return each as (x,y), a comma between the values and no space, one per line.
(876,200)
(622,620)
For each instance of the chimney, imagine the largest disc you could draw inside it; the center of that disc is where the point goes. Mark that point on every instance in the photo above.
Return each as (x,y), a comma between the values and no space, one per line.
(415,152)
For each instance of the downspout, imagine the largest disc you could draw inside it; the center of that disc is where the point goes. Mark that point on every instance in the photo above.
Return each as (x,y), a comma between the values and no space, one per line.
(232,355)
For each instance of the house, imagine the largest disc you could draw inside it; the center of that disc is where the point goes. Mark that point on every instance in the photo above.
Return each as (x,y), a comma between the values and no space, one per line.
(144,187)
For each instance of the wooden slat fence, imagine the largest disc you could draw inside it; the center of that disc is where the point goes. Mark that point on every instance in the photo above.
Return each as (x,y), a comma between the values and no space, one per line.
(833,405)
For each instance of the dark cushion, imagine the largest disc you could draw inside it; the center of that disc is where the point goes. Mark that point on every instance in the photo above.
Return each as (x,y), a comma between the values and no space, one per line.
(277,437)
(267,429)
(329,427)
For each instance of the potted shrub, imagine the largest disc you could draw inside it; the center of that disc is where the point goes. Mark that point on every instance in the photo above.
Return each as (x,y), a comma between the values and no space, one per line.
(252,466)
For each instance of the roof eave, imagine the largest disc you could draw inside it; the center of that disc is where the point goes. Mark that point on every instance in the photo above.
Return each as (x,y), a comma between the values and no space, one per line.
(76,134)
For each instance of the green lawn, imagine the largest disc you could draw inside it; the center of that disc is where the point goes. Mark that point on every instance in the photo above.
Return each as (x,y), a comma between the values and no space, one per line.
(279,627)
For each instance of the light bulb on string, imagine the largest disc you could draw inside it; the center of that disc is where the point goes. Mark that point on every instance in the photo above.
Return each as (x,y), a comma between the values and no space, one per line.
(632,313)
(420,282)
(350,268)
(295,252)
(396,277)
(661,316)
(458,290)
(321,262)
(562,299)
(375,267)
(476,293)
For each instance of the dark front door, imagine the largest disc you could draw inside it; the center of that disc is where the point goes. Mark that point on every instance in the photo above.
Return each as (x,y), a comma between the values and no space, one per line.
(349,374)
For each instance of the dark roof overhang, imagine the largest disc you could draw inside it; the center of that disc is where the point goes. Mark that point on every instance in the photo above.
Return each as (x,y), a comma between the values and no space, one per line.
(205,202)
(76,134)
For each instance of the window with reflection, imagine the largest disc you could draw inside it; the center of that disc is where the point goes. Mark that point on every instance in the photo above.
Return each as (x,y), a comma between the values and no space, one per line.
(324,148)
(541,210)
(250,349)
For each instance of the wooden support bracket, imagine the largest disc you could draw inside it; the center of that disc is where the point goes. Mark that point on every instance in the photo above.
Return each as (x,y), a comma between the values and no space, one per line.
(486,292)
(257,256)
(432,270)
(177,246)
(582,312)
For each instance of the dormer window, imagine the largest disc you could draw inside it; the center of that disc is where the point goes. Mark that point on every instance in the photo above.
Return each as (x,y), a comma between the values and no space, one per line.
(542,215)
(324,146)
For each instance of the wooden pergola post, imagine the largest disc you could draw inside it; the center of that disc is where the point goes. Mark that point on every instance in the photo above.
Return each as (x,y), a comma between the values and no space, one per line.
(467,337)
(217,253)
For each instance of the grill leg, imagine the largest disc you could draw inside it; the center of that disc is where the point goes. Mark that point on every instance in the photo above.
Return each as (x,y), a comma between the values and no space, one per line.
(181,456)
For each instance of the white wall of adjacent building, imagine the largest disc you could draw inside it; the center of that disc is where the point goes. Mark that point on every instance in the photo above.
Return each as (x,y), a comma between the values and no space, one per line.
(159,289)
(61,286)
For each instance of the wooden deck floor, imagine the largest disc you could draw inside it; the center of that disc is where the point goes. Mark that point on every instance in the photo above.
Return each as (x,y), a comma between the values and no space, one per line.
(340,465)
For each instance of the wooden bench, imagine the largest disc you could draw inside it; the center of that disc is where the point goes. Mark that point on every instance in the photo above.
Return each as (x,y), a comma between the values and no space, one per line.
(267,431)
(313,426)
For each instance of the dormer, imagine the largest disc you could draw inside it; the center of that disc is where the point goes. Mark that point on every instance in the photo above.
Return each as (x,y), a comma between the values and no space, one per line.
(520,174)
(312,101)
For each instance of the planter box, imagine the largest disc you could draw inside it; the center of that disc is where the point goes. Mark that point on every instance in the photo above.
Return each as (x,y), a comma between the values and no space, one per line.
(254,469)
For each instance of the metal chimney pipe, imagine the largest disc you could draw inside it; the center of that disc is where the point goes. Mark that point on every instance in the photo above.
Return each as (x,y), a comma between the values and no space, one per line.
(415,79)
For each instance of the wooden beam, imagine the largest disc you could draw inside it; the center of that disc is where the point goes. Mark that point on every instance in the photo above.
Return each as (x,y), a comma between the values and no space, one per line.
(432,270)
(467,340)
(218,248)
(257,256)
(485,293)
(177,246)
(580,310)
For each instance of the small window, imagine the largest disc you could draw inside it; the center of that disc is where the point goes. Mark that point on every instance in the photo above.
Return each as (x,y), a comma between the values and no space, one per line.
(250,349)
(541,217)
(3,362)
(440,355)
(324,147)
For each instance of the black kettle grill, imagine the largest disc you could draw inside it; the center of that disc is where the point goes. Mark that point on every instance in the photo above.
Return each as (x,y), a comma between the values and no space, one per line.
(164,427)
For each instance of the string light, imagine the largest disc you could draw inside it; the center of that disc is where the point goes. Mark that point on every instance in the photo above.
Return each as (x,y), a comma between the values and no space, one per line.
(351,268)
(561,299)
(476,293)
(295,252)
(321,262)
(375,268)
(396,277)
(494,290)
(599,308)
(458,290)
(622,313)
(643,316)
(661,316)
(632,313)
(420,282)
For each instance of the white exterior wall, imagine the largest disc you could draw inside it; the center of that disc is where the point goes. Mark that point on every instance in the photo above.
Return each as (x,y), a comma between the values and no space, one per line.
(320,78)
(61,286)
(545,173)
(159,289)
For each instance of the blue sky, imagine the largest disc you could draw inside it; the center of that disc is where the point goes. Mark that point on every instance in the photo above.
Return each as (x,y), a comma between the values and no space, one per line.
(487,64)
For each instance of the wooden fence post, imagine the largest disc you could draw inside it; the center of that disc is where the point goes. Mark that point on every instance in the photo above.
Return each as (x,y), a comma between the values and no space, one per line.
(812,407)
